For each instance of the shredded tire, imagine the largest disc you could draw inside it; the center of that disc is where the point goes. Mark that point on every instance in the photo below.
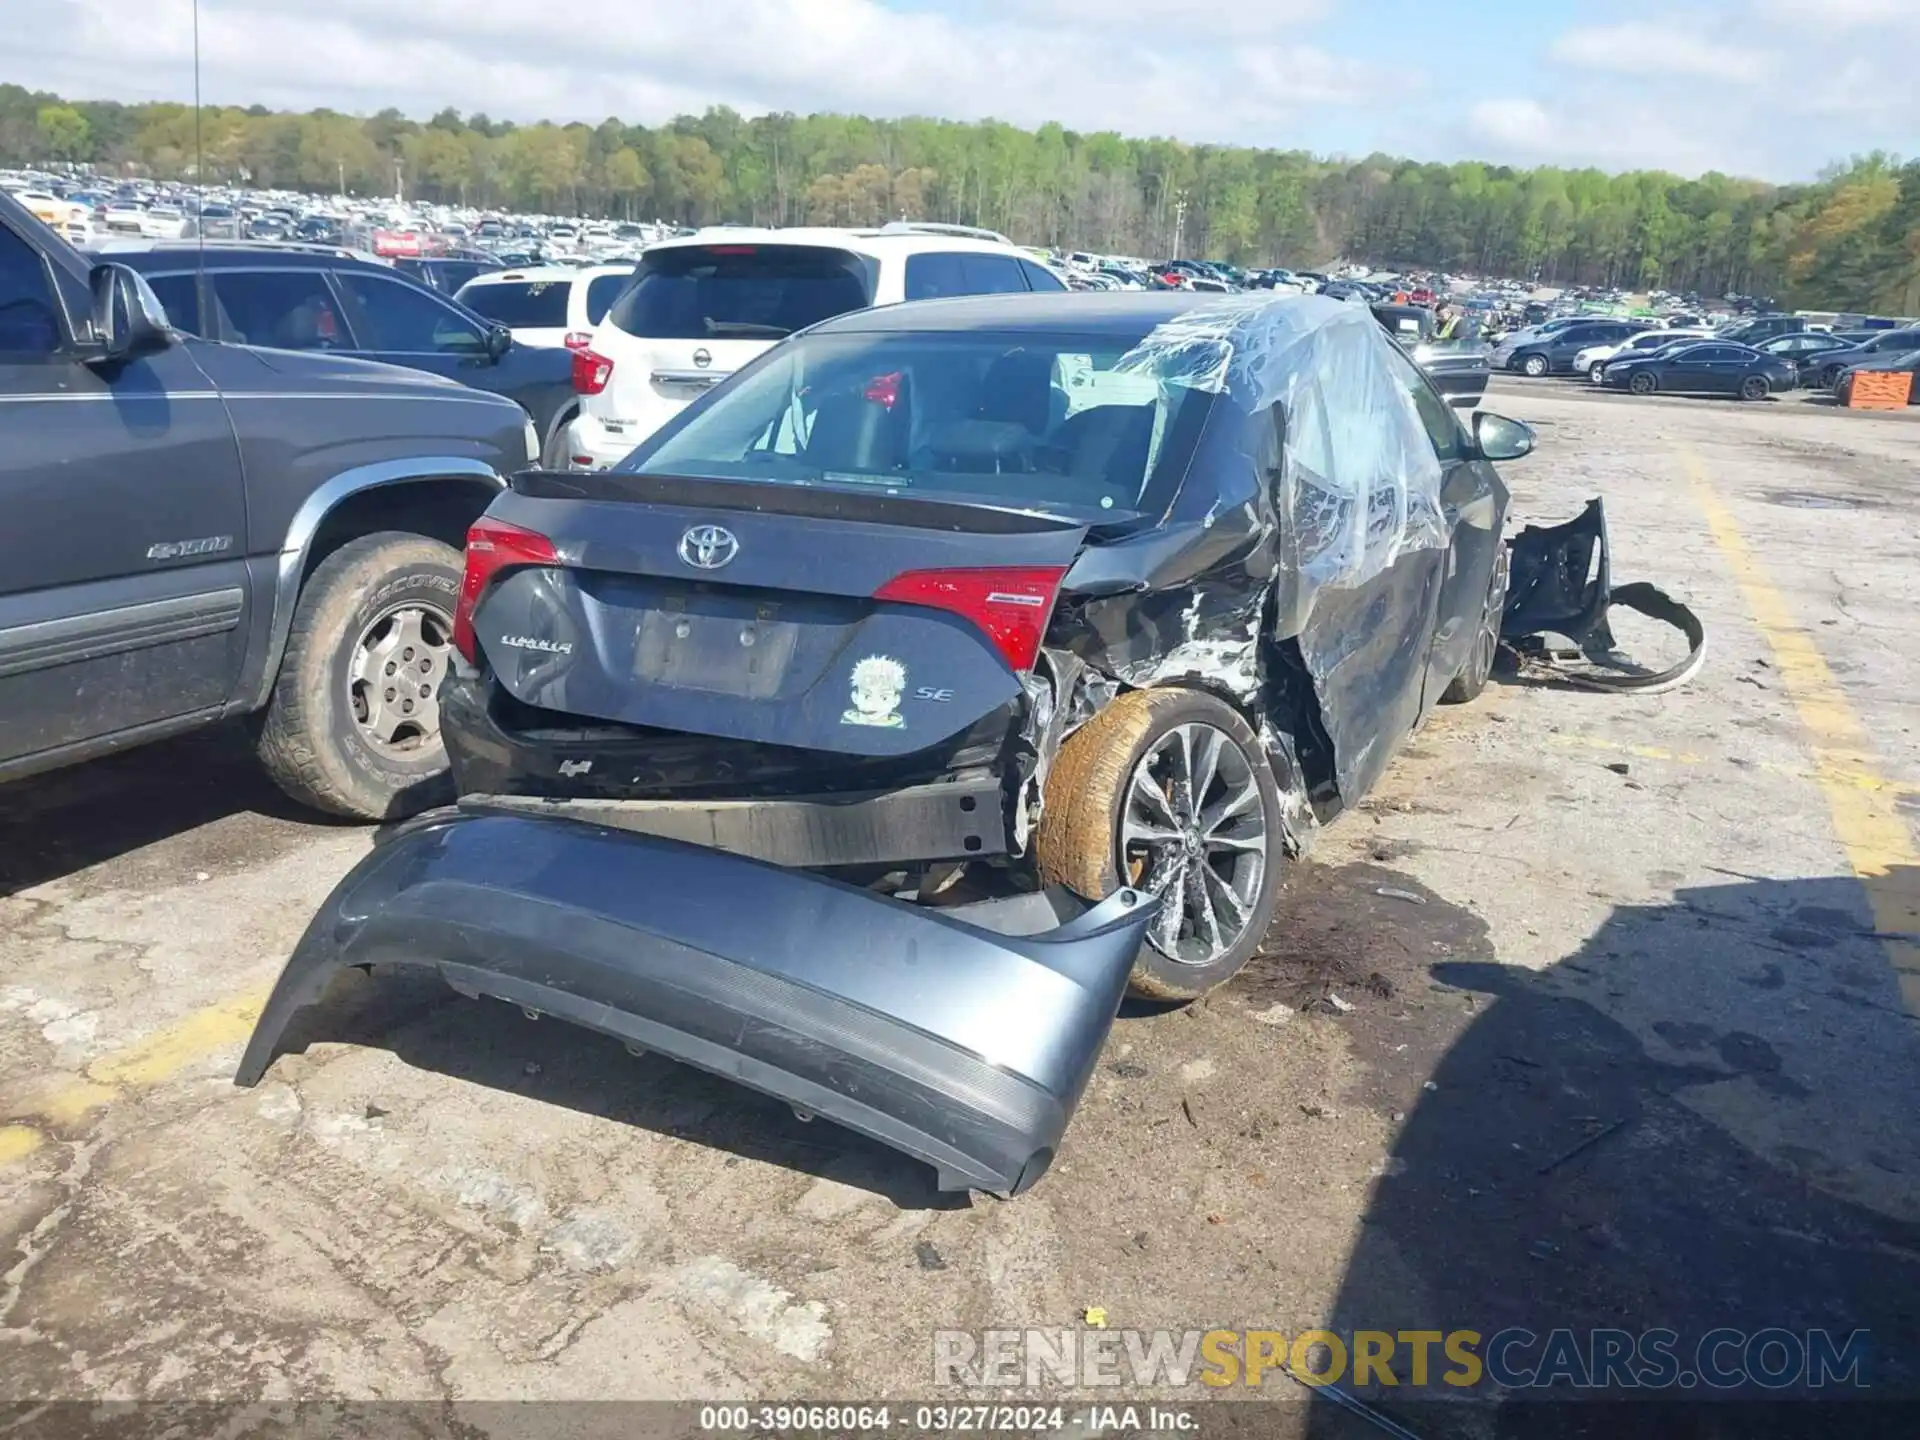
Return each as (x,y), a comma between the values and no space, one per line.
(1077,843)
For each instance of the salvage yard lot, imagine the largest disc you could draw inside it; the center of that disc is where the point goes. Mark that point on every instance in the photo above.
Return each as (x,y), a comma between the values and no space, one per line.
(1620,1039)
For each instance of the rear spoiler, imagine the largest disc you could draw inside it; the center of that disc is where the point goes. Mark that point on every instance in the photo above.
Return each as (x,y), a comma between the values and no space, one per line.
(875,506)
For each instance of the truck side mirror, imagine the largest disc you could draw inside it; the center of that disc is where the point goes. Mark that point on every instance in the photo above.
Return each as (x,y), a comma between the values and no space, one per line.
(128,318)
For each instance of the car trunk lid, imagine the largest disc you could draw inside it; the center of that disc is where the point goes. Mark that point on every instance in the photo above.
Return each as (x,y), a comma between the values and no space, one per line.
(853,622)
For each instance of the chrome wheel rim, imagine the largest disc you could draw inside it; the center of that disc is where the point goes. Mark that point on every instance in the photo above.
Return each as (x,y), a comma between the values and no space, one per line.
(1194,833)
(393,679)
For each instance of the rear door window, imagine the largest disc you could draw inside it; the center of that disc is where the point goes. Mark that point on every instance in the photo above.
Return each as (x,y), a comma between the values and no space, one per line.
(601,293)
(1040,278)
(939,273)
(992,274)
(280,309)
(394,318)
(741,292)
(521,304)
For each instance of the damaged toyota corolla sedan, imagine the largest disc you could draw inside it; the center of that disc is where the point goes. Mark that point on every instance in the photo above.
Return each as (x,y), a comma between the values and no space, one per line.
(954,668)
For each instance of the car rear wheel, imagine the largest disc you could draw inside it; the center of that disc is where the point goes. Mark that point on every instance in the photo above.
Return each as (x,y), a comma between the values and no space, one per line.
(1171,792)
(557,454)
(1829,377)
(1642,384)
(1468,684)
(353,726)
(1755,387)
(1534,365)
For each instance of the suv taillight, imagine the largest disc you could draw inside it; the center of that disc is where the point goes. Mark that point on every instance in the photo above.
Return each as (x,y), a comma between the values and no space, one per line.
(1011,604)
(591,371)
(492,547)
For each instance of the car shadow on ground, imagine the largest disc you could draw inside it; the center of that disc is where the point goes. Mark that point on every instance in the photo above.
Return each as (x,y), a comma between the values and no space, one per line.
(413,1016)
(54,825)
(1705,1117)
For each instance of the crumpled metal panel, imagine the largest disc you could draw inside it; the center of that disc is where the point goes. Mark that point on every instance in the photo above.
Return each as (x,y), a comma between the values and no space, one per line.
(1336,539)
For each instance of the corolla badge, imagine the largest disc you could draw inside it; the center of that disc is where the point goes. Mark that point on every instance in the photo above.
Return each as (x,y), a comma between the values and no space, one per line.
(708,547)
(544,647)
(877,682)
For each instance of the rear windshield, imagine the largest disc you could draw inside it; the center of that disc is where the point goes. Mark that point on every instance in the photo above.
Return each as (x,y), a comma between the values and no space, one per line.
(521,304)
(740,292)
(1077,424)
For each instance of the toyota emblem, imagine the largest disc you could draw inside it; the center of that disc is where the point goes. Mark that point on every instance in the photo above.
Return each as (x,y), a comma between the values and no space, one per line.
(708,547)
(703,358)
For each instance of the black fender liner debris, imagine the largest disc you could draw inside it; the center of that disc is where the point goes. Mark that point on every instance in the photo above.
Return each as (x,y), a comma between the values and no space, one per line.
(964,1048)
(1562,585)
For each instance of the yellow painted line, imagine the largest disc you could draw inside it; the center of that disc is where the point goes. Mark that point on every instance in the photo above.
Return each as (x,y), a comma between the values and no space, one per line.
(1871,830)
(151,1060)
(1864,780)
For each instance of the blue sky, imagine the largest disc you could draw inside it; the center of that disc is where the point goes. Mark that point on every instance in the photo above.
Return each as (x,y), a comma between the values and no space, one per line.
(1770,88)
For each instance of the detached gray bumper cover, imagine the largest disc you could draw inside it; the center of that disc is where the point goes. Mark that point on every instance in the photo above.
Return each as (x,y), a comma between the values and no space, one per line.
(964,1048)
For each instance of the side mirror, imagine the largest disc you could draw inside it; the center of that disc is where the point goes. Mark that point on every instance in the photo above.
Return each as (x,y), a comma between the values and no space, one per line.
(1499,438)
(128,318)
(499,341)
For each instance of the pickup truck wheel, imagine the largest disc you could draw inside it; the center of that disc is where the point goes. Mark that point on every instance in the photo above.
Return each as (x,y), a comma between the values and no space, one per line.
(1171,792)
(354,723)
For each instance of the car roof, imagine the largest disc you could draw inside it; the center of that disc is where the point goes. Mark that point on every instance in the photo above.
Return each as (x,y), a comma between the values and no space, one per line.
(538,274)
(188,256)
(875,243)
(1120,313)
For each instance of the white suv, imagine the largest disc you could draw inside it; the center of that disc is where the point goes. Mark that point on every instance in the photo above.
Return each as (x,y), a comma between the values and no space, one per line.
(550,305)
(702,306)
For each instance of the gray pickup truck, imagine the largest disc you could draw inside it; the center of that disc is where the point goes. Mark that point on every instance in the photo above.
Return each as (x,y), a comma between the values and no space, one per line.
(191,531)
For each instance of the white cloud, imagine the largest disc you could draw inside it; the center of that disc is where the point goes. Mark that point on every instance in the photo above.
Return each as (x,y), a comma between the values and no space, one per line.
(1635,48)
(1620,137)
(651,59)
(1775,89)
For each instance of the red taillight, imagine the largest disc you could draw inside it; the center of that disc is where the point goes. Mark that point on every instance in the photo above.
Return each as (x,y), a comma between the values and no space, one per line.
(578,339)
(492,546)
(591,372)
(1011,604)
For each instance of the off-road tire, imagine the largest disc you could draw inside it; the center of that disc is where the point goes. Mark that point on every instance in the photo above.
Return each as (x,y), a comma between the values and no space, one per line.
(307,738)
(1534,366)
(1078,842)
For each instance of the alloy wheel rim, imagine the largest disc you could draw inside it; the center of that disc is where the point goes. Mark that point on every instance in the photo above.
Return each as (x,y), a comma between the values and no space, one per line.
(1487,642)
(1193,832)
(393,679)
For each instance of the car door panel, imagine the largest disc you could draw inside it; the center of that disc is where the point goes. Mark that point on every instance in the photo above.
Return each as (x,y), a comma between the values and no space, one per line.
(123,600)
